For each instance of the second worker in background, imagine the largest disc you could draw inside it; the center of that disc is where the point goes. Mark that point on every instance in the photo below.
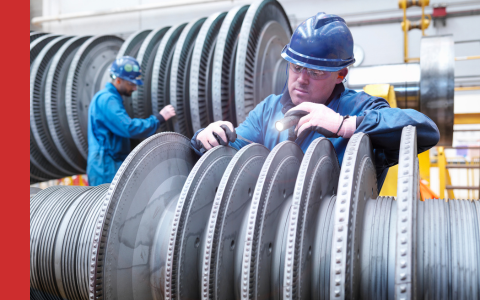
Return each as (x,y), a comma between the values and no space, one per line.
(110,128)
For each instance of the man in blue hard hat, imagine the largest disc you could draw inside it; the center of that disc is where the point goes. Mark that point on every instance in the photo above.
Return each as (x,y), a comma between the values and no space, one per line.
(319,52)
(110,128)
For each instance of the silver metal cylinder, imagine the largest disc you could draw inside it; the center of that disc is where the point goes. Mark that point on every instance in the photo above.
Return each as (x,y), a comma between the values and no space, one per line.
(427,86)
(405,79)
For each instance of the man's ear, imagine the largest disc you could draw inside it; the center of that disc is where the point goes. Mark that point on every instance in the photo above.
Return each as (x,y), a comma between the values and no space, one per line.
(341,75)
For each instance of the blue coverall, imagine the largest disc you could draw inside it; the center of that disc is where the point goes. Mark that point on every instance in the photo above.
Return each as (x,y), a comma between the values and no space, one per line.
(375,117)
(110,129)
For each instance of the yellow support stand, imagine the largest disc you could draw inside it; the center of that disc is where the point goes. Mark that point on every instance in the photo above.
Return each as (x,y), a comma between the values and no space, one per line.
(386,92)
(424,166)
(444,175)
(389,188)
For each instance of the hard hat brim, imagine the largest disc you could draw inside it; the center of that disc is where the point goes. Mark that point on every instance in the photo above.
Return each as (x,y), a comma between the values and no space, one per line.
(303,61)
(136,81)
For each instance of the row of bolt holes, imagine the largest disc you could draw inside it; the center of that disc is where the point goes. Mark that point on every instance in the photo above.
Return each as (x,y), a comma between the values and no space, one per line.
(232,244)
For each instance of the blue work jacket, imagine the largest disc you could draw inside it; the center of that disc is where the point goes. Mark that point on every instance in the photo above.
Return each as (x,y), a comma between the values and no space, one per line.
(375,117)
(110,129)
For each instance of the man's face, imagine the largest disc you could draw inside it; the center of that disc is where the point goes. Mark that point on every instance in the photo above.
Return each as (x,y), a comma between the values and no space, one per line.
(125,87)
(304,86)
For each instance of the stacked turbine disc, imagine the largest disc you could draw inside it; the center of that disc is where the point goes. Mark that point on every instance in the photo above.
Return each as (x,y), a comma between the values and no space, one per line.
(194,66)
(253,224)
(65,73)
(61,236)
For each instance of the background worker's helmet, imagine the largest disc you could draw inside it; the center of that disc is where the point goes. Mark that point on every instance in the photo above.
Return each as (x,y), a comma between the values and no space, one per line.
(322,42)
(128,68)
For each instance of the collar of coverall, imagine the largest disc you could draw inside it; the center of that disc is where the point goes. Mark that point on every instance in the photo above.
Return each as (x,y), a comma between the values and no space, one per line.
(287,103)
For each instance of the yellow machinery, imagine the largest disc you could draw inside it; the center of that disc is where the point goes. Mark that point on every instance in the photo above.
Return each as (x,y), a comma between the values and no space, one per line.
(387,92)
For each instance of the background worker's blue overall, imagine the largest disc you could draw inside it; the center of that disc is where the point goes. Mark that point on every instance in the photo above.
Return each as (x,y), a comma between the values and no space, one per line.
(110,129)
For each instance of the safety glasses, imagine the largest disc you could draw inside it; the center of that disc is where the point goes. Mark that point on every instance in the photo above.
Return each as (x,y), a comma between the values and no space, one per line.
(312,73)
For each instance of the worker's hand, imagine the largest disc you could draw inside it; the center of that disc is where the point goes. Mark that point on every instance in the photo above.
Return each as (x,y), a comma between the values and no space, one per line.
(167,112)
(217,133)
(323,120)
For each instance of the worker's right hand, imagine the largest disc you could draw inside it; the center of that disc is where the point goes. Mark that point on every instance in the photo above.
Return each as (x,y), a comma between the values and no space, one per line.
(217,133)
(167,112)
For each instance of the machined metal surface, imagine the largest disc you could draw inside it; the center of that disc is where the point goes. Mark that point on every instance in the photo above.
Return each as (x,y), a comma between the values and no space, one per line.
(252,224)
(141,99)
(265,31)
(40,168)
(183,262)
(266,233)
(35,35)
(223,74)
(222,251)
(357,185)
(62,224)
(200,95)
(88,74)
(139,207)
(405,79)
(38,120)
(180,76)
(427,86)
(160,90)
(309,224)
(37,45)
(408,197)
(437,64)
(55,106)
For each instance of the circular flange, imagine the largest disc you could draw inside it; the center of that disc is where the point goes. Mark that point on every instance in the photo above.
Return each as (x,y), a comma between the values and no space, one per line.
(187,232)
(44,225)
(265,239)
(180,75)
(36,175)
(141,99)
(162,65)
(35,35)
(55,109)
(88,74)
(131,47)
(222,90)
(437,65)
(309,230)
(38,120)
(377,254)
(40,168)
(37,45)
(223,248)
(140,201)
(201,112)
(408,196)
(357,185)
(132,44)
(259,48)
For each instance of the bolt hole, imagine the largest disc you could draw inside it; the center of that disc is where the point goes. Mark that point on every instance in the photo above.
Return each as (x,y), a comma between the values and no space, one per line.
(309,251)
(249,192)
(197,242)
(270,248)
(232,245)
(284,193)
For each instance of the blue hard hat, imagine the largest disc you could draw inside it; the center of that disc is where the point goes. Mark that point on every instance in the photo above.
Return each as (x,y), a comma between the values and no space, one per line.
(322,42)
(128,68)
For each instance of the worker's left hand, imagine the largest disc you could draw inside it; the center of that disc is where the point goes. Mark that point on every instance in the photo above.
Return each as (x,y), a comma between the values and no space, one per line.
(322,120)
(167,112)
